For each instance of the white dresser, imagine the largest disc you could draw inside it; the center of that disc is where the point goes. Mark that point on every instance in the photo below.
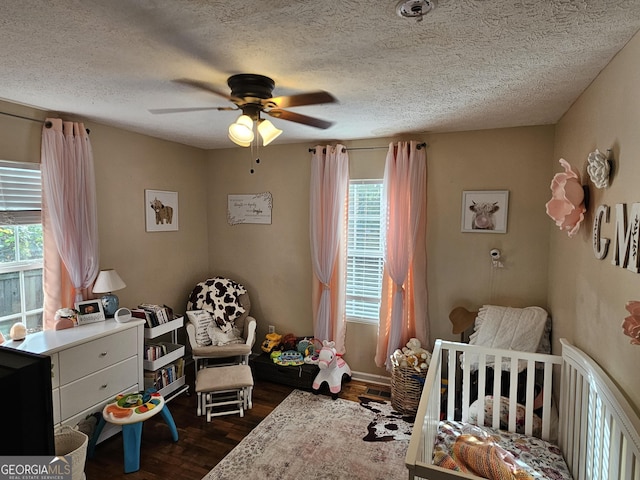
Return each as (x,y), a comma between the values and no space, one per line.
(91,364)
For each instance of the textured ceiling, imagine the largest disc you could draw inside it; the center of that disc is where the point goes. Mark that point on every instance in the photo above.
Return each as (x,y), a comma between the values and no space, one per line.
(470,64)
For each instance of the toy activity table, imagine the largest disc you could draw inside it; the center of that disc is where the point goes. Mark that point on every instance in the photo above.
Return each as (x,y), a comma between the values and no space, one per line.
(130,411)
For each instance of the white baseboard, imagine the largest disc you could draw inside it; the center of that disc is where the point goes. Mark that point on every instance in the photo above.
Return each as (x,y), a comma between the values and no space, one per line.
(371,378)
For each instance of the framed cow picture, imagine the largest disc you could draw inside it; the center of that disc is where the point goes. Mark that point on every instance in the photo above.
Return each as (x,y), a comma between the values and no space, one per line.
(485,211)
(161,210)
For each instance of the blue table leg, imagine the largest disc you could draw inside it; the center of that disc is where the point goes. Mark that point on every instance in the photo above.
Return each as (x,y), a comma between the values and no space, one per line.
(94,437)
(166,414)
(131,438)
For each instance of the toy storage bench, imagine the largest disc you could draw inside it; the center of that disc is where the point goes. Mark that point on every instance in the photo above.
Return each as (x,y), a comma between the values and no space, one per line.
(300,376)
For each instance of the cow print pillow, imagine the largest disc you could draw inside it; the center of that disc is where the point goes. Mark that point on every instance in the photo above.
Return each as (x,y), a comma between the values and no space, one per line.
(220,297)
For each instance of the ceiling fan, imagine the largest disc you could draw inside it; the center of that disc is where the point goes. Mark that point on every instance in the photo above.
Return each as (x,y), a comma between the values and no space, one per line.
(252,94)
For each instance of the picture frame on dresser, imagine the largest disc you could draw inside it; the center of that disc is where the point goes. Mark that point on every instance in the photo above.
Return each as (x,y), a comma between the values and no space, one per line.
(90,311)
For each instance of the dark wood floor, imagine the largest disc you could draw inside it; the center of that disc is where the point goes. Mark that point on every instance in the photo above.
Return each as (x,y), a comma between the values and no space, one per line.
(201,445)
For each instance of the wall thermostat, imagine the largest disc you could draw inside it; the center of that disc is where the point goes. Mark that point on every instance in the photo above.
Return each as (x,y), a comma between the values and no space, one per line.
(122,315)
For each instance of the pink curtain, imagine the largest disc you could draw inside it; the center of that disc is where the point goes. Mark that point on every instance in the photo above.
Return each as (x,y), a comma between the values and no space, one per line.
(403,309)
(70,221)
(328,212)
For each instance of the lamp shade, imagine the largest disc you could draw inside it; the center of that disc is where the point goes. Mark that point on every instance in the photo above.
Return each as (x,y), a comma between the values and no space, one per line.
(108,281)
(268,132)
(241,132)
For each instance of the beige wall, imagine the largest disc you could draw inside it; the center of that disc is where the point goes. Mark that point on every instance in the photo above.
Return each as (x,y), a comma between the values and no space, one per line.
(157,267)
(587,296)
(274,260)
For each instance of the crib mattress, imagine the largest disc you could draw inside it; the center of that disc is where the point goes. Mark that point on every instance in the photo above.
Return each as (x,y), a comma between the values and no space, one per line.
(538,458)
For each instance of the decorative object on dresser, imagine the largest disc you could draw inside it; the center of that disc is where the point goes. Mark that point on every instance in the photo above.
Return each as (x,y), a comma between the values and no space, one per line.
(109,281)
(18,331)
(66,318)
(123,315)
(90,311)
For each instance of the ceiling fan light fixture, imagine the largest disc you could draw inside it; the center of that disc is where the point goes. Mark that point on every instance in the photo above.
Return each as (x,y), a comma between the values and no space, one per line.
(268,132)
(241,132)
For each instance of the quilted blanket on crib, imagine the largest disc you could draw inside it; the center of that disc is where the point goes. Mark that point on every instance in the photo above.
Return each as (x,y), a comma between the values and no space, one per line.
(497,454)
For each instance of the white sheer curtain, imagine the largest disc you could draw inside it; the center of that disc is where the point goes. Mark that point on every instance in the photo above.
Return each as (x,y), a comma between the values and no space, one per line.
(328,203)
(70,220)
(403,310)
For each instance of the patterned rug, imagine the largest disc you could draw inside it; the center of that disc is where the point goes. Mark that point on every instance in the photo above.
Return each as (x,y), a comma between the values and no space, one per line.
(313,436)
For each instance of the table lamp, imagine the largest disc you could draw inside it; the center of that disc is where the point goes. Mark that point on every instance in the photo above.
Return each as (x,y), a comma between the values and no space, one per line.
(109,281)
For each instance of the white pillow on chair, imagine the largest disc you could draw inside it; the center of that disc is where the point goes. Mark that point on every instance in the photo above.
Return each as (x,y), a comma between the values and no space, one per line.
(201,319)
(219,337)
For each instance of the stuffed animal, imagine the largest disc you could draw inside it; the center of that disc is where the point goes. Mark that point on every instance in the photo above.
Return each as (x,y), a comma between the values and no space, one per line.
(289,342)
(412,355)
(332,369)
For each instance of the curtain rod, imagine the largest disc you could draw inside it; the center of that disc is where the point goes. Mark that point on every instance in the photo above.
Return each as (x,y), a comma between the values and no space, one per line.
(47,124)
(324,150)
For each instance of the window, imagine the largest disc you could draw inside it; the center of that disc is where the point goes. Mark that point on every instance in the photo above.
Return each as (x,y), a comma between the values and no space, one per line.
(365,249)
(21,246)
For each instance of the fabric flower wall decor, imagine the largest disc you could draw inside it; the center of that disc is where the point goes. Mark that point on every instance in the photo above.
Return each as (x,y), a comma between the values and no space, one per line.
(631,324)
(566,206)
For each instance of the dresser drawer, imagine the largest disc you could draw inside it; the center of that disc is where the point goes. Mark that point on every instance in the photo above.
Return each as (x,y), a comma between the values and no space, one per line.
(97,387)
(81,360)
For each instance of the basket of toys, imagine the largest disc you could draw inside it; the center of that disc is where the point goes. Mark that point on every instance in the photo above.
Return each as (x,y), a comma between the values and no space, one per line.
(72,443)
(409,369)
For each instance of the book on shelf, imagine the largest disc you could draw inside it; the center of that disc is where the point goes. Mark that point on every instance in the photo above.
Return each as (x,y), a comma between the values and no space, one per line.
(164,376)
(153,314)
(154,351)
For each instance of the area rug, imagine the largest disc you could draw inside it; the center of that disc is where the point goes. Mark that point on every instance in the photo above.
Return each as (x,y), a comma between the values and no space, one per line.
(313,436)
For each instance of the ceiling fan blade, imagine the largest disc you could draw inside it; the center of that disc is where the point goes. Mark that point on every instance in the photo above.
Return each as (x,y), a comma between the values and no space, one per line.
(310,98)
(205,86)
(160,111)
(298,118)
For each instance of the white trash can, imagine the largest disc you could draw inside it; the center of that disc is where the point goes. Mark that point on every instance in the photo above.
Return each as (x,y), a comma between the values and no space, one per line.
(72,443)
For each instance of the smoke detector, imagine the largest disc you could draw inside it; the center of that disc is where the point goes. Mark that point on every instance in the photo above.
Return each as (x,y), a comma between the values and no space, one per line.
(415,8)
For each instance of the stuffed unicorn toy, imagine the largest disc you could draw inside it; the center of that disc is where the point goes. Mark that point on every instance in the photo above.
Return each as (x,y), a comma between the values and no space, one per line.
(332,368)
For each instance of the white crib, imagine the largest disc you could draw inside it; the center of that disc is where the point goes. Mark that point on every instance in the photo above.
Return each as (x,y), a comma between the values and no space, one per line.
(598,431)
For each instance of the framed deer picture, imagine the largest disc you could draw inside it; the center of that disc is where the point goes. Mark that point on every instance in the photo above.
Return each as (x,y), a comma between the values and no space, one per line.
(485,211)
(161,210)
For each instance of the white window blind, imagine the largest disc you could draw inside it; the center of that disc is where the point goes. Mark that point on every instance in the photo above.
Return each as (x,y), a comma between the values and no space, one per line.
(365,244)
(20,193)
(21,246)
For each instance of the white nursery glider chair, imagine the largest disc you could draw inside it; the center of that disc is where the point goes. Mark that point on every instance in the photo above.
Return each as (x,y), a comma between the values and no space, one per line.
(219,329)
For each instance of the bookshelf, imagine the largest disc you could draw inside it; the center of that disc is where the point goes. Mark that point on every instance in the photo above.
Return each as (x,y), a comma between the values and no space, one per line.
(164,361)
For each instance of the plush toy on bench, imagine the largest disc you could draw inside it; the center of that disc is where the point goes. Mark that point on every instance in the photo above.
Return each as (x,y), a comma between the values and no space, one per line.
(332,369)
